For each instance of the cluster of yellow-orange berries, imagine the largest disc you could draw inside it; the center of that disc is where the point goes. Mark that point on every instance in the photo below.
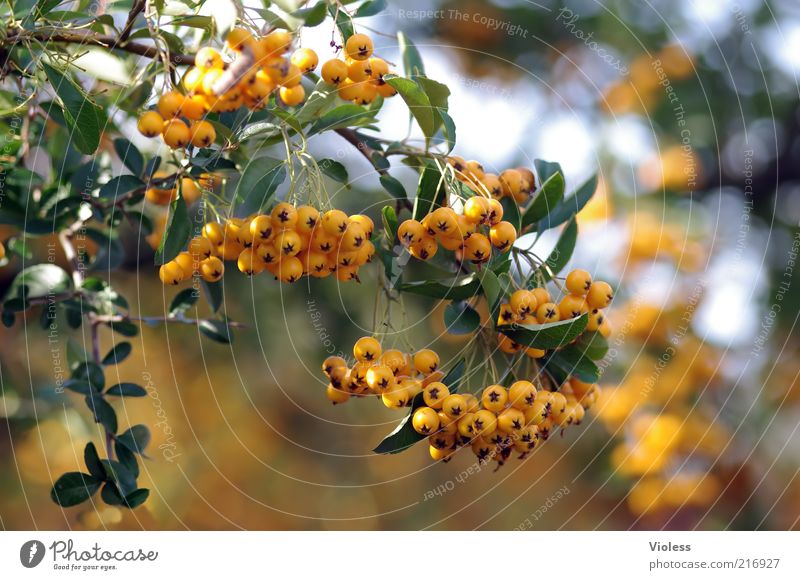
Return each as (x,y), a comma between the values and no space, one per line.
(502,421)
(516,183)
(394,376)
(536,306)
(290,242)
(213,85)
(471,234)
(359,78)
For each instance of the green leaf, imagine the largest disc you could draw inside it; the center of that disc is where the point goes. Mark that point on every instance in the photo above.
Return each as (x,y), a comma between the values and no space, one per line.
(404,435)
(454,289)
(103,412)
(126,390)
(592,344)
(137,498)
(92,461)
(449,127)
(418,103)
(511,212)
(85,119)
(334,170)
(119,474)
(183,300)
(546,336)
(322,95)
(461,318)
(136,438)
(216,330)
(120,186)
(437,92)
(78,386)
(570,361)
(40,280)
(111,494)
(129,155)
(119,353)
(214,295)
(176,234)
(343,22)
(348,115)
(127,458)
(562,252)
(74,488)
(393,186)
(124,327)
(546,169)
(412,61)
(546,200)
(570,206)
(258,183)
(492,289)
(91,373)
(313,16)
(430,191)
(389,222)
(370,8)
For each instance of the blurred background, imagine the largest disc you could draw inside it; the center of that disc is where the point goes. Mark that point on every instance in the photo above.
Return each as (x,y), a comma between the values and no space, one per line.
(689,112)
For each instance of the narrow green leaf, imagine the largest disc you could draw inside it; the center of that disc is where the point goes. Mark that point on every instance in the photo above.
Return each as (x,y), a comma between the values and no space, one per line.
(176,234)
(313,16)
(130,156)
(562,252)
(417,101)
(546,336)
(334,170)
(183,300)
(570,205)
(393,186)
(370,8)
(390,223)
(546,200)
(214,295)
(430,191)
(86,119)
(412,61)
(258,183)
(92,461)
(216,330)
(461,318)
(454,289)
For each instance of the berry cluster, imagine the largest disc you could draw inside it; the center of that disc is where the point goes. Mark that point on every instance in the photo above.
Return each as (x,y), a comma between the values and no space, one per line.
(536,306)
(517,183)
(500,422)
(394,376)
(213,85)
(290,242)
(471,234)
(359,78)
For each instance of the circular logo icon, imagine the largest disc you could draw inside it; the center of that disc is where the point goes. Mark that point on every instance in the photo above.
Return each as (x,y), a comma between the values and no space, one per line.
(31,553)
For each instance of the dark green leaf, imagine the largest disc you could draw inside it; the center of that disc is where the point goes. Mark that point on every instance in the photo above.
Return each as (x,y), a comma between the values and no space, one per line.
(136,438)
(119,474)
(390,222)
(313,16)
(129,155)
(183,300)
(461,318)
(449,127)
(176,234)
(102,411)
(437,92)
(571,361)
(258,183)
(120,186)
(78,386)
(511,212)
(111,495)
(92,461)
(124,327)
(569,206)
(91,373)
(216,330)
(370,8)
(562,252)
(404,435)
(137,498)
(74,488)
(546,169)
(86,120)
(126,390)
(214,295)
(119,353)
(492,289)
(430,191)
(546,200)
(418,103)
(546,336)
(127,458)
(334,170)
(592,344)
(348,115)
(393,186)
(455,289)
(343,22)
(412,61)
